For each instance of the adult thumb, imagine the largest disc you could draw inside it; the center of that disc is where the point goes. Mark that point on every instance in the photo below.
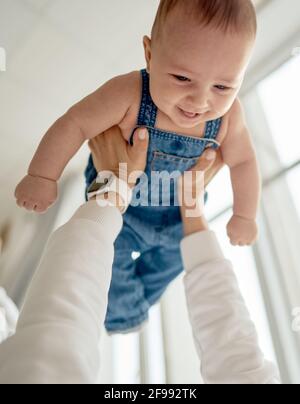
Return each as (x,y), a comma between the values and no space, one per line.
(140,142)
(205,161)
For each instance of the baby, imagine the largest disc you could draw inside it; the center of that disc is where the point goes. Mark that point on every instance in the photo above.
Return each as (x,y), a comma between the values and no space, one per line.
(188,99)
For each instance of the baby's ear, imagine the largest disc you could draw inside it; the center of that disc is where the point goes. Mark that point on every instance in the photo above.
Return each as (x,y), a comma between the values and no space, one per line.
(148,53)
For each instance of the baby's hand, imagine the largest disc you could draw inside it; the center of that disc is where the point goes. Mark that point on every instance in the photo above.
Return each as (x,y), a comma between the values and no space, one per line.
(36,194)
(242,231)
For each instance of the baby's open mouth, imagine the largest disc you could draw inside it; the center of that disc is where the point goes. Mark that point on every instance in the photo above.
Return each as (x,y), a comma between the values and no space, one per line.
(189,114)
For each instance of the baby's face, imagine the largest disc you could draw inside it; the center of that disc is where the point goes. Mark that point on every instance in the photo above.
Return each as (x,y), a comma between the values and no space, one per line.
(197,70)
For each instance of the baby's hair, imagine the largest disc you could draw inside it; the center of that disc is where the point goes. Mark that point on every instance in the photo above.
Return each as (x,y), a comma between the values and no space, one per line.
(226,15)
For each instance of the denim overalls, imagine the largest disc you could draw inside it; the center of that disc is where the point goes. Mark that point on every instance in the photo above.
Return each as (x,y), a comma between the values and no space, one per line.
(154,232)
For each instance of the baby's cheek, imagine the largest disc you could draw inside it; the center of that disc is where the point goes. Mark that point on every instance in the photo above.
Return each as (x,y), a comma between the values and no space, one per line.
(225,105)
(164,99)
(157,94)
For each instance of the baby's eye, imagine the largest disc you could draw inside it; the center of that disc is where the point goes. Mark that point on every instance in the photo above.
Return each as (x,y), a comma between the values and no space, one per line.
(181,78)
(222,88)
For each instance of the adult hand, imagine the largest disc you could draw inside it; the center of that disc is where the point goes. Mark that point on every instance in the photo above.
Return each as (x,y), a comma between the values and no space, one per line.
(109,149)
(191,188)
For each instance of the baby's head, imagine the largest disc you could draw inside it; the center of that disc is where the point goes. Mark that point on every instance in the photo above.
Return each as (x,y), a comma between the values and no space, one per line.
(198,55)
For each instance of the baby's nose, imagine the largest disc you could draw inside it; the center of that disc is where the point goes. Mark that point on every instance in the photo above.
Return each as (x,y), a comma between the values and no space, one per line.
(198,102)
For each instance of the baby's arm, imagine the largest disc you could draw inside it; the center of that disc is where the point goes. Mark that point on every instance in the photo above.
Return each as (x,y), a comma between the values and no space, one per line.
(93,115)
(239,154)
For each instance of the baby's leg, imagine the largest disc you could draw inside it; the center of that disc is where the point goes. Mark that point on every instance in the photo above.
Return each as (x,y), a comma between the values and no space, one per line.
(127,306)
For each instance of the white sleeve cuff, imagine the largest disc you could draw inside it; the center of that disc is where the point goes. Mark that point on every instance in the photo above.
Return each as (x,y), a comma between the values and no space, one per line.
(109,217)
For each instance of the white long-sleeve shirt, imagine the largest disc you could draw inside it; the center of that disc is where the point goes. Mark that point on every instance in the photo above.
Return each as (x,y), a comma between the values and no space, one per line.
(59,328)
(8,316)
(225,337)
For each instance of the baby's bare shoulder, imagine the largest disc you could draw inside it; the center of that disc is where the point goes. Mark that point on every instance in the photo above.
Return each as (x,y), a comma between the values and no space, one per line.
(236,115)
(127,84)
(135,81)
(107,106)
(238,146)
(130,119)
(130,79)
(135,88)
(233,120)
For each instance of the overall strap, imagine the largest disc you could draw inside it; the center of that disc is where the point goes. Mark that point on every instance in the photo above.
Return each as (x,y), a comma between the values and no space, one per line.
(148,110)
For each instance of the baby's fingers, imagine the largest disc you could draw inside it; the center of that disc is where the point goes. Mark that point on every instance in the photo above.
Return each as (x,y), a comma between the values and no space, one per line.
(29,205)
(40,208)
(20,203)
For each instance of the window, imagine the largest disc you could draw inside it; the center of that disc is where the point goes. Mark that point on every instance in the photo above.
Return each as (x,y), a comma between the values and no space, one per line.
(272,107)
(279,94)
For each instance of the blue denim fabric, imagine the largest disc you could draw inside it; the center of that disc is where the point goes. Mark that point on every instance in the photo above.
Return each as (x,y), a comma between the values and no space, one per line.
(154,232)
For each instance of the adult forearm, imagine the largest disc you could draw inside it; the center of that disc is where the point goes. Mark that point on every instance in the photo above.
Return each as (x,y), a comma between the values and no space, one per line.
(59,328)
